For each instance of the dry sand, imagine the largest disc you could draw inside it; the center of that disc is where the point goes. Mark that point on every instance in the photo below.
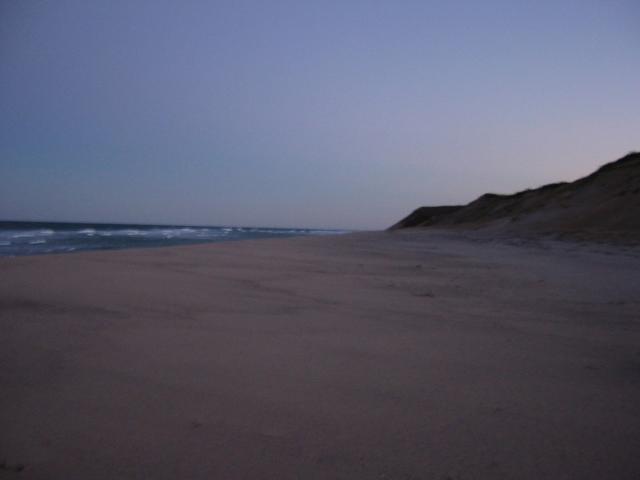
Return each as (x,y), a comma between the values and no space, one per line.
(406,355)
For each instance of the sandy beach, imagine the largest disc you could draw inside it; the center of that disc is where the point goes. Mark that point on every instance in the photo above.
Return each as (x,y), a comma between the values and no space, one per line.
(404,355)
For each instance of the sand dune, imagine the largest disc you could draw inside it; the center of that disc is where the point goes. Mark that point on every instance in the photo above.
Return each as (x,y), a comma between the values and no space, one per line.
(425,216)
(606,203)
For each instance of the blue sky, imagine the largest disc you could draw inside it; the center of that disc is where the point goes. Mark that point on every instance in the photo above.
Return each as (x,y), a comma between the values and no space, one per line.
(343,114)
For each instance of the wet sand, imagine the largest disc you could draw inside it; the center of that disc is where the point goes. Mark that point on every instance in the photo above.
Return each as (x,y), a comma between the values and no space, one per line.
(405,355)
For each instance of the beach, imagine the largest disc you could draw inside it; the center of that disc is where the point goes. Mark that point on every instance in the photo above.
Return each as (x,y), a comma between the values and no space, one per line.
(404,355)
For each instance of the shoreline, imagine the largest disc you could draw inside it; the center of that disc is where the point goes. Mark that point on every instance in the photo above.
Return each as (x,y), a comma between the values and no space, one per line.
(567,241)
(31,238)
(363,355)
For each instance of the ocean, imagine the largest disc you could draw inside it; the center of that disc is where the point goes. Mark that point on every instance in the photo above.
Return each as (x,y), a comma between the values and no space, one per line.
(35,238)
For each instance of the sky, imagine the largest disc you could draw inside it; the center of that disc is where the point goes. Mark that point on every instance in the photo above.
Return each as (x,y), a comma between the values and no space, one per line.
(328,114)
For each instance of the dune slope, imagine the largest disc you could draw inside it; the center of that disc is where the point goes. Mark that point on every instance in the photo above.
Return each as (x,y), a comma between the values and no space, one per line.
(607,201)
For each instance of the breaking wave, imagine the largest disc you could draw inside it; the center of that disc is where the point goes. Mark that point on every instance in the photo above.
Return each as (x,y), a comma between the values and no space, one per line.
(31,238)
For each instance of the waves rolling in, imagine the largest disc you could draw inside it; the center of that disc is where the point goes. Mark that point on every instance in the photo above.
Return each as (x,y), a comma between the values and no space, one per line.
(33,238)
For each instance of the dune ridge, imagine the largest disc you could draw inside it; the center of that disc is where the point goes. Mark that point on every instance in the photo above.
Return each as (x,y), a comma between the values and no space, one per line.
(604,202)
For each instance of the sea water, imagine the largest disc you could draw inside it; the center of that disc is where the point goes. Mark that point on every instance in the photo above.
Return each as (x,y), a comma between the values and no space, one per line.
(33,238)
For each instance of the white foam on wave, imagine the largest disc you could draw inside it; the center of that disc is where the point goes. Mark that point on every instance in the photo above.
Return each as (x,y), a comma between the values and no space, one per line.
(32,233)
(5,244)
(132,232)
(186,232)
(87,231)
(37,242)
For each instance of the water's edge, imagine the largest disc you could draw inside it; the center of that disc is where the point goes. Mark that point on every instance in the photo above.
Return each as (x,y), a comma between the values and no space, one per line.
(36,238)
